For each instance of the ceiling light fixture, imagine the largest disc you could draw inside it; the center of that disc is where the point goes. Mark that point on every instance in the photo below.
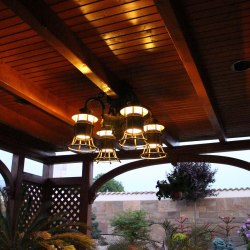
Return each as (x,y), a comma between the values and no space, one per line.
(241,65)
(153,134)
(83,129)
(83,133)
(107,151)
(135,135)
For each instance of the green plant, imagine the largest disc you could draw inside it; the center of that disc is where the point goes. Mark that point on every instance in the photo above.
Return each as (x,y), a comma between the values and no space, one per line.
(174,239)
(220,244)
(200,237)
(123,245)
(118,246)
(95,232)
(35,230)
(248,246)
(190,178)
(132,225)
(182,237)
(224,243)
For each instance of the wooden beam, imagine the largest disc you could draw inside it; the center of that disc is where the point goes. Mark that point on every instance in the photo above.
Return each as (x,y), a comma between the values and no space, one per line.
(68,181)
(33,178)
(168,140)
(175,32)
(173,152)
(30,126)
(47,24)
(13,82)
(211,148)
(18,142)
(145,163)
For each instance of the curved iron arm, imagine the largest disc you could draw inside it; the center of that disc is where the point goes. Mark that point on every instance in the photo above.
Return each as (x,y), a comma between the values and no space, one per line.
(85,109)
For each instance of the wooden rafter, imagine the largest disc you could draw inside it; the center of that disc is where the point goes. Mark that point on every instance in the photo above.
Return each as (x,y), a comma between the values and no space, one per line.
(173,27)
(46,23)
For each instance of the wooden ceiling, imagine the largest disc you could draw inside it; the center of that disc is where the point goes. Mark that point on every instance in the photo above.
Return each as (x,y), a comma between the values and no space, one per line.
(176,55)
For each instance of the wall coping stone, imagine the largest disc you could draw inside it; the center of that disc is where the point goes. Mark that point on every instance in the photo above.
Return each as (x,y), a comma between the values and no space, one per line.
(151,195)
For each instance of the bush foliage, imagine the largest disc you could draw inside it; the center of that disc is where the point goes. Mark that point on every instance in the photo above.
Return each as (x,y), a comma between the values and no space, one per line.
(193,179)
(132,225)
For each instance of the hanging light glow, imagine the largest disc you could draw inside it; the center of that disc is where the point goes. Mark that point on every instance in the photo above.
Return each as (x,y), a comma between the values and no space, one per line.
(153,134)
(83,133)
(107,152)
(133,135)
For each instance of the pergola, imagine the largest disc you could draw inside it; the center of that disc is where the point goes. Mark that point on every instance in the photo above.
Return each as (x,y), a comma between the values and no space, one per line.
(177,56)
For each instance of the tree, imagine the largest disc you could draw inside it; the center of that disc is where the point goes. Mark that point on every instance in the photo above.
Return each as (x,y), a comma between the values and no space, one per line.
(193,179)
(110,186)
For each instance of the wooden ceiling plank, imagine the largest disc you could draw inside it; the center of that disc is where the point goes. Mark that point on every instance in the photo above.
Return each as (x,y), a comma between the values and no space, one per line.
(15,58)
(13,82)
(78,21)
(173,27)
(112,10)
(89,37)
(154,32)
(116,26)
(60,37)
(19,43)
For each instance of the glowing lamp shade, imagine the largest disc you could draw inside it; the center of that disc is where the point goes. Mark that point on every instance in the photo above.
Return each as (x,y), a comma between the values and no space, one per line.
(107,151)
(133,134)
(153,149)
(83,133)
(134,110)
(85,118)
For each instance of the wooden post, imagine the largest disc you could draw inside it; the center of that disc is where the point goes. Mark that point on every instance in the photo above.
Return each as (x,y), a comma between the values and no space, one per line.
(85,204)
(17,173)
(47,174)
(48,170)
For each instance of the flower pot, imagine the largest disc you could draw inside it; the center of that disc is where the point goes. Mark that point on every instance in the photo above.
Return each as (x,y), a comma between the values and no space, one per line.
(132,247)
(177,195)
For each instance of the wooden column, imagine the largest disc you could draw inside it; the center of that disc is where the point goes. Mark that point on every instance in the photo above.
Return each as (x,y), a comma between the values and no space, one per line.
(47,187)
(17,173)
(86,207)
(48,170)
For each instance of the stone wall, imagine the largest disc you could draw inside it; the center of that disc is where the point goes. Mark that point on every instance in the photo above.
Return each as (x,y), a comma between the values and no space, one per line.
(233,203)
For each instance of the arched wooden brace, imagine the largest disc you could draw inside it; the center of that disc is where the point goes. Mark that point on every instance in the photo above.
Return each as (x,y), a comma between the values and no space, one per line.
(146,163)
(7,178)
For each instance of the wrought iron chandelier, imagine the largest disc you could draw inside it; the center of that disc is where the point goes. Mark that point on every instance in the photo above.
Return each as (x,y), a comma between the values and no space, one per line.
(138,132)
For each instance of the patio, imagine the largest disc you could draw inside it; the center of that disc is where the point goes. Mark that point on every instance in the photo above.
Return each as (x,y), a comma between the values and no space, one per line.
(174,58)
